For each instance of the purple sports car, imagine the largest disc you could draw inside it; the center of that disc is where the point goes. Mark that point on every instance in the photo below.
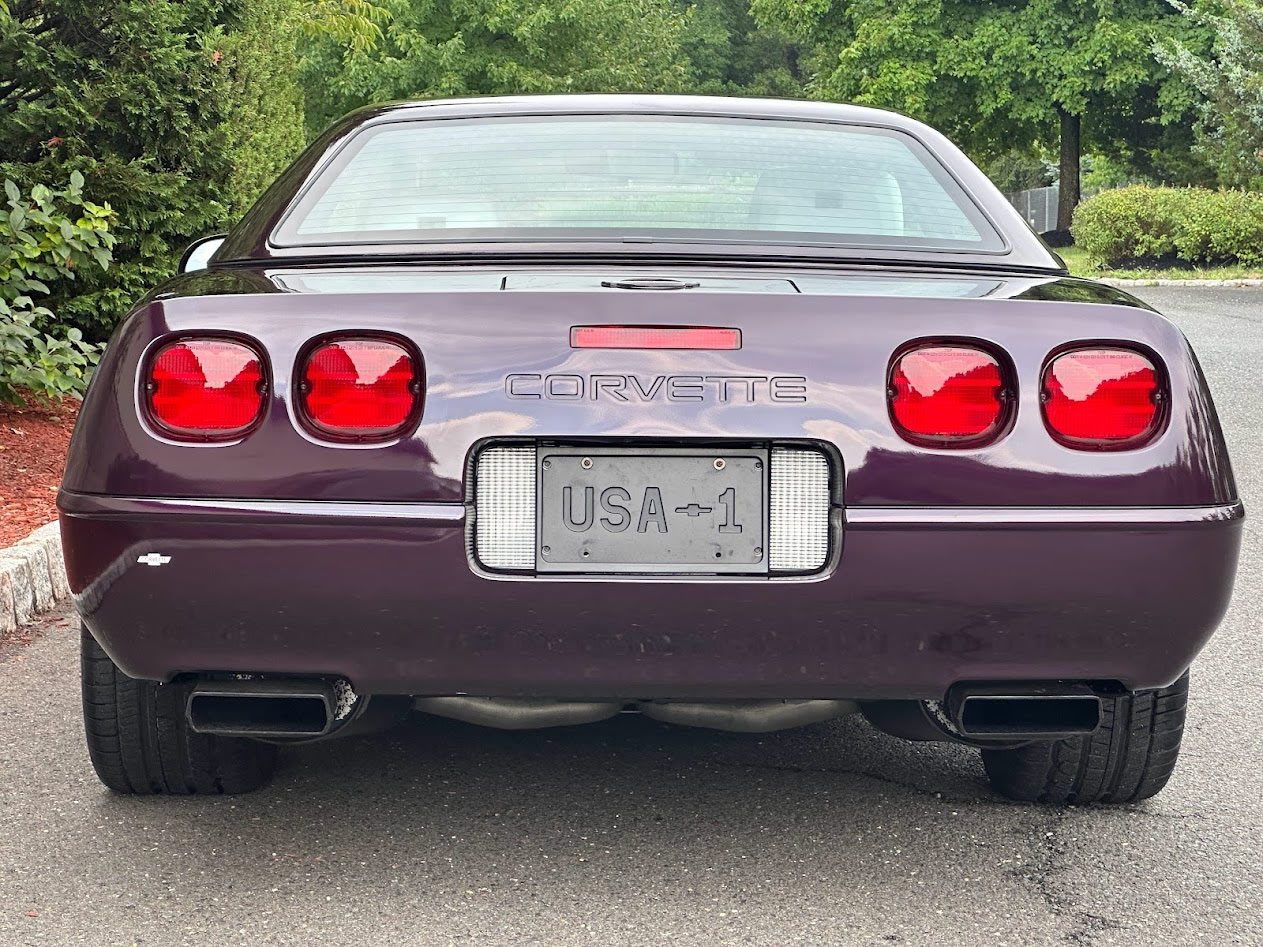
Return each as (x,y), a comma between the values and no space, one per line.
(734,413)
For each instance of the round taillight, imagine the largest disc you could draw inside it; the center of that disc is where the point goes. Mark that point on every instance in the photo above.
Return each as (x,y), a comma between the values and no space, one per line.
(1101,398)
(947,395)
(206,389)
(361,389)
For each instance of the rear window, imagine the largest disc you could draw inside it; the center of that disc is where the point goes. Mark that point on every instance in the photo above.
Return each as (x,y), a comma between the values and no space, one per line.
(636,178)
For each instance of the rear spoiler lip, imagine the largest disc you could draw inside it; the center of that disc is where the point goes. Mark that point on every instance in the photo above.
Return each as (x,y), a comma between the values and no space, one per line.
(586,257)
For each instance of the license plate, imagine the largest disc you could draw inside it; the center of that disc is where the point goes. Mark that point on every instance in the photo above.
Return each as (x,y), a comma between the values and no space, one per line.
(668,510)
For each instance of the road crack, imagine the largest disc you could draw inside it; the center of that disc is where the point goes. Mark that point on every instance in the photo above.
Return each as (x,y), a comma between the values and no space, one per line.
(1049,861)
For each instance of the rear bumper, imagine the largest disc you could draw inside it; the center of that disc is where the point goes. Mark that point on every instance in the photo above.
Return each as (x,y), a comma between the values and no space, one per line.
(384,595)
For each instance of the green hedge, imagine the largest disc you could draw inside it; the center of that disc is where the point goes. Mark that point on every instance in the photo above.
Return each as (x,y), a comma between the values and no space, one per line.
(1158,225)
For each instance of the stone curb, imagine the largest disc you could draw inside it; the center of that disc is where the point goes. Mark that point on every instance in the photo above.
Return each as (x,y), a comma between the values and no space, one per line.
(1219,283)
(32,577)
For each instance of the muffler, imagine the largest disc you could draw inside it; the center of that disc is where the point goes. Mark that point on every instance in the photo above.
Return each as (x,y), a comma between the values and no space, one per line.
(1017,712)
(742,716)
(262,708)
(518,713)
(746,716)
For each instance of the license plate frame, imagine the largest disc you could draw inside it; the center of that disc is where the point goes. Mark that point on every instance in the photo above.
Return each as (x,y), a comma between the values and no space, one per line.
(692,502)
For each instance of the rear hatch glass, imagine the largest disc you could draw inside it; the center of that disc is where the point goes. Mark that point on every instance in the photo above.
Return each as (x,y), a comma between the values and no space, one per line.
(636,178)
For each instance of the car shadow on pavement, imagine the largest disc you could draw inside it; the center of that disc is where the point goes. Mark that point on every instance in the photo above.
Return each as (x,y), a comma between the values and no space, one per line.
(448,779)
(434,788)
(632,750)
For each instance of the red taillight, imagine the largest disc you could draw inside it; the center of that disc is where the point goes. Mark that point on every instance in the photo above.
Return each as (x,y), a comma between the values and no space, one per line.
(206,389)
(947,395)
(654,337)
(360,388)
(1101,398)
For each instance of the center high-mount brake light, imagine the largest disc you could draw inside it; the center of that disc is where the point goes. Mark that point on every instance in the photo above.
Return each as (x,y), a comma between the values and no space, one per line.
(361,388)
(654,337)
(209,389)
(948,395)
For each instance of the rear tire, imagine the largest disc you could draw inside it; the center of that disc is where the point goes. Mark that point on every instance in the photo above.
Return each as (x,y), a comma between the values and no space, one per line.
(140,741)
(1128,758)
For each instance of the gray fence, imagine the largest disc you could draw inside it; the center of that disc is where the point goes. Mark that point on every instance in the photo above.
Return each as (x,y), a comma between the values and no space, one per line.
(1038,206)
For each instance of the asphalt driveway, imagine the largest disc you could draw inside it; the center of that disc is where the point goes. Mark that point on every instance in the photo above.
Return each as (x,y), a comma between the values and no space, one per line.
(634,833)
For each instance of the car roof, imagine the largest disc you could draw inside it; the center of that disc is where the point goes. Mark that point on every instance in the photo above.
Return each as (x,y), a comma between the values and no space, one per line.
(652,105)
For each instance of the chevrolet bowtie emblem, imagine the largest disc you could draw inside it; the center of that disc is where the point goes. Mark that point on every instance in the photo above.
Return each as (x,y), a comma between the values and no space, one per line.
(153,559)
(693,509)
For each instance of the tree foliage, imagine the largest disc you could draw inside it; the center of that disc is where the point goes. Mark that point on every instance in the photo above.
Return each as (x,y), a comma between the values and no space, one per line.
(177,113)
(437,48)
(728,53)
(1000,72)
(1231,79)
(354,24)
(874,52)
(1020,169)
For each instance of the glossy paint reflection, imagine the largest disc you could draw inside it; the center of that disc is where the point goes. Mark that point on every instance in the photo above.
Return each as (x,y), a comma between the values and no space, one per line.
(1101,396)
(365,388)
(948,392)
(209,388)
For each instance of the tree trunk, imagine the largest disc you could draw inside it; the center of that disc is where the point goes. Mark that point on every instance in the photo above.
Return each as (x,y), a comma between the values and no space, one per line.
(1068,198)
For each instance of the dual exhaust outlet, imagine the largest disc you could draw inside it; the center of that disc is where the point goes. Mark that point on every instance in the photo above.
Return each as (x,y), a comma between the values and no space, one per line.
(305,709)
(267,708)
(1003,712)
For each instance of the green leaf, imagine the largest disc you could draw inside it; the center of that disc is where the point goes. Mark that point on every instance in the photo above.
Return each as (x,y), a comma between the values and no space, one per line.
(12,191)
(76,181)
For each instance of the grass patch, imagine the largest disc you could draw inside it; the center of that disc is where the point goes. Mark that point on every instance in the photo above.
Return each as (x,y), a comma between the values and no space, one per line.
(1077,259)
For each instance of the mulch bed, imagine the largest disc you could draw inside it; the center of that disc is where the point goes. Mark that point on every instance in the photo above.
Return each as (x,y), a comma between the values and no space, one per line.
(33,442)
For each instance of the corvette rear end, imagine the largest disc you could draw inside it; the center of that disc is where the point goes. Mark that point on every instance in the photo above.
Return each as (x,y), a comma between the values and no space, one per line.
(856,444)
